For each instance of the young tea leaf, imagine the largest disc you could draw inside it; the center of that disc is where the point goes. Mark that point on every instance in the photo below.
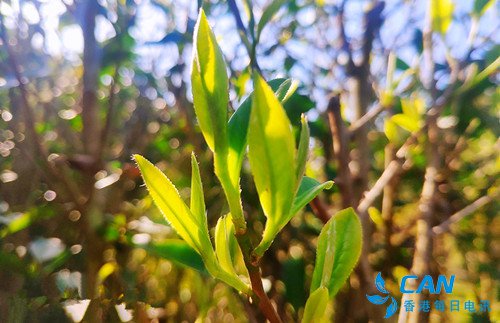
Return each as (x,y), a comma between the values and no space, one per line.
(239,121)
(272,158)
(224,239)
(176,212)
(209,85)
(197,204)
(339,247)
(316,306)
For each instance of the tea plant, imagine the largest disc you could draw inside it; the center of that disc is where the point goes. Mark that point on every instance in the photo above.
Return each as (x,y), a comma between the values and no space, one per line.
(277,165)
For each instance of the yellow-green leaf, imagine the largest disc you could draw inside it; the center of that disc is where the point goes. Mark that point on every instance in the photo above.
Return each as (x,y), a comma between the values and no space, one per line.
(210,85)
(406,122)
(224,243)
(197,204)
(339,247)
(272,158)
(441,15)
(316,307)
(171,205)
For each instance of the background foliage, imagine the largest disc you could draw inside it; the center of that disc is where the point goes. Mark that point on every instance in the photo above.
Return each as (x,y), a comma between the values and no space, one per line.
(403,88)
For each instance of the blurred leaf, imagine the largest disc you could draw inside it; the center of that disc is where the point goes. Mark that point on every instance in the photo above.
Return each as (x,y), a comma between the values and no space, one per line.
(391,131)
(339,247)
(303,150)
(401,65)
(316,306)
(308,189)
(480,6)
(270,131)
(406,122)
(375,216)
(105,271)
(268,14)
(177,251)
(441,15)
(210,86)
(19,223)
(294,277)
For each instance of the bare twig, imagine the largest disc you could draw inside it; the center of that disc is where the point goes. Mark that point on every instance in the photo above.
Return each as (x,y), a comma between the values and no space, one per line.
(471,208)
(341,150)
(366,118)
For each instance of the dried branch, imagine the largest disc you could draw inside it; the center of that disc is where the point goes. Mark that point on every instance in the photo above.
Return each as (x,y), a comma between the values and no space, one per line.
(366,118)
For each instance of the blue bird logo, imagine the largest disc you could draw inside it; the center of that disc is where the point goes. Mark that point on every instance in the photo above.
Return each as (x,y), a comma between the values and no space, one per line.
(378,300)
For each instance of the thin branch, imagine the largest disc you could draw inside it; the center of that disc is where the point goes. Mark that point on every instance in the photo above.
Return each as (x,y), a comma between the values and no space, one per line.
(341,150)
(471,208)
(320,210)
(366,118)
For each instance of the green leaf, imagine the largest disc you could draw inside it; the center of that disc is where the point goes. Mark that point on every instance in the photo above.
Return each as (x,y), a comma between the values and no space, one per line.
(441,15)
(480,6)
(268,14)
(316,306)
(272,158)
(303,150)
(239,121)
(309,188)
(339,247)
(177,251)
(173,208)
(406,122)
(209,85)
(197,204)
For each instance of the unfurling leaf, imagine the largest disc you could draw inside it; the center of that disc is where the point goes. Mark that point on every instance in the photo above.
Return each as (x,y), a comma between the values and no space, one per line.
(441,15)
(272,158)
(339,247)
(225,243)
(209,85)
(316,306)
